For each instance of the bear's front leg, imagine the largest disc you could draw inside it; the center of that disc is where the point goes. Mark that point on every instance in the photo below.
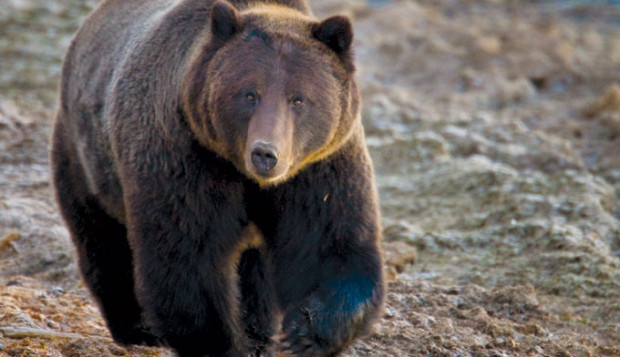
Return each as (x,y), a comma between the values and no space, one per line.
(184,222)
(327,256)
(327,321)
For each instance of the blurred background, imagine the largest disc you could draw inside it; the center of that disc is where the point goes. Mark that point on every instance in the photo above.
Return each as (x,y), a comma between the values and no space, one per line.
(494,126)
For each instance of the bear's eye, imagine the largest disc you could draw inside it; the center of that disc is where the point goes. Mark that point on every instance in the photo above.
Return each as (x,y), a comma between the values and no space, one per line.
(297,102)
(250,97)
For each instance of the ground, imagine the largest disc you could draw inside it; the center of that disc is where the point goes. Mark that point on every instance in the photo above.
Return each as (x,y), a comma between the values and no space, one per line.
(495,131)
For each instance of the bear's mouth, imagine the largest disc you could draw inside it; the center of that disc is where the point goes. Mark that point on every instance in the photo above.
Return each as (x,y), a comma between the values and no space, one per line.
(267,179)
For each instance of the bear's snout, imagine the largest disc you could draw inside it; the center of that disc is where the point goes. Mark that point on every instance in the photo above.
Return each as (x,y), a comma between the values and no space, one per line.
(264,157)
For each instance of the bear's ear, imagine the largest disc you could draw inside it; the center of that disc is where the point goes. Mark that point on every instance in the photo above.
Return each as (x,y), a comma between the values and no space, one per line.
(224,20)
(336,32)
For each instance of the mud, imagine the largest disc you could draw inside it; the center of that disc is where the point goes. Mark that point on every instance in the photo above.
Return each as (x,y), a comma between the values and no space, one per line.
(495,131)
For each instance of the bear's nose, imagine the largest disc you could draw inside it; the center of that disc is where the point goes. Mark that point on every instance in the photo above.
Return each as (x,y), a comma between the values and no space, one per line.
(264,157)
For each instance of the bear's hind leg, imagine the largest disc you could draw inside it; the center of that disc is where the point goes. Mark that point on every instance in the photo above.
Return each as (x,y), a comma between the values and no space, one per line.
(104,256)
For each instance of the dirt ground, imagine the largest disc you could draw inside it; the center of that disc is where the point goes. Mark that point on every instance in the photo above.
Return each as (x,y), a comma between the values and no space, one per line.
(495,131)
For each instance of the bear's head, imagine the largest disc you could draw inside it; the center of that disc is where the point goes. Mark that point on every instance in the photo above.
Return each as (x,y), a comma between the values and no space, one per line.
(272,89)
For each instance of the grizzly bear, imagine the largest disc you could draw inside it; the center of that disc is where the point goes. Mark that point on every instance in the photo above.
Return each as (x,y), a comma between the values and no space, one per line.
(209,161)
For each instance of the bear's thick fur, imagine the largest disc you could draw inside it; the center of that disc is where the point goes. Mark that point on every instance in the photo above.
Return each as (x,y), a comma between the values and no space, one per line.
(209,160)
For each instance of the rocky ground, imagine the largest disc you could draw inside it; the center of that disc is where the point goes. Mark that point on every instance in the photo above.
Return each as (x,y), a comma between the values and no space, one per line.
(495,130)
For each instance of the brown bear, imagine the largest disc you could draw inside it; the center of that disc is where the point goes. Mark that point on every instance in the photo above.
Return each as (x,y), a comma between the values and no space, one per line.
(209,161)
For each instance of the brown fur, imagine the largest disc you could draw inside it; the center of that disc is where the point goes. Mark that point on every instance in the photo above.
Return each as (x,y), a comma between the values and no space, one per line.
(182,237)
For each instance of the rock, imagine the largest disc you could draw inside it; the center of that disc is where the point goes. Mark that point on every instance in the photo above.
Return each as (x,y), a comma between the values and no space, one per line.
(609,102)
(429,145)
(7,240)
(24,332)
(402,231)
(515,91)
(398,255)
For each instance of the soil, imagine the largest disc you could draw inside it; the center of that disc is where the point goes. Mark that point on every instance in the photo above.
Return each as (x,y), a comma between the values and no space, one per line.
(495,131)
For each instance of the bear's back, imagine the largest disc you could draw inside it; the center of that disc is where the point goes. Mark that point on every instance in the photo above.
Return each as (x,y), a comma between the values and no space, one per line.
(98,47)
(117,43)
